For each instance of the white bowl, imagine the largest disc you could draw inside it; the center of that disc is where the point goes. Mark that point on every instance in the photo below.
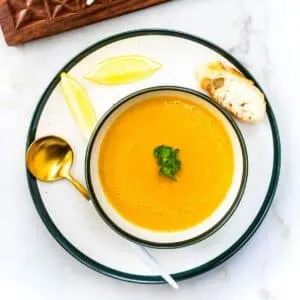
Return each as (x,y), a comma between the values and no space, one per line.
(162,239)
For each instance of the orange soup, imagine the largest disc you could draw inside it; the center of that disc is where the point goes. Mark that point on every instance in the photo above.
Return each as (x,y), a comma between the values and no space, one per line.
(129,172)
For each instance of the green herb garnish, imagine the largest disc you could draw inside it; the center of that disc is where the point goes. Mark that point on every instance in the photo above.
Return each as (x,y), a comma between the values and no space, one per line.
(167,160)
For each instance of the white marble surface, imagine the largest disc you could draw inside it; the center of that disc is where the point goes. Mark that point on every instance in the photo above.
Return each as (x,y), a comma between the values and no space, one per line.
(262,34)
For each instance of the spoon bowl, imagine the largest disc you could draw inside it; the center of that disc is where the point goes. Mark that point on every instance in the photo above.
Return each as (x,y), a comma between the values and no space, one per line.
(50,158)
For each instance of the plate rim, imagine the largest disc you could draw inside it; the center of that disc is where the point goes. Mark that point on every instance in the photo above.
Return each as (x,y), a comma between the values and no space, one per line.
(226,254)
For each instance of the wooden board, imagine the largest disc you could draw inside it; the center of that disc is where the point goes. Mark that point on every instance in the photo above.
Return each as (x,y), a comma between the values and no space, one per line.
(25,20)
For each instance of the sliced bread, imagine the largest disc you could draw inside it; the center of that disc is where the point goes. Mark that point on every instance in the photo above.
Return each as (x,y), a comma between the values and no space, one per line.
(232,90)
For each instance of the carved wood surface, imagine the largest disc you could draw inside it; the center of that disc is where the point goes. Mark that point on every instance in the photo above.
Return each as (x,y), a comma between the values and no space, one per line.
(25,20)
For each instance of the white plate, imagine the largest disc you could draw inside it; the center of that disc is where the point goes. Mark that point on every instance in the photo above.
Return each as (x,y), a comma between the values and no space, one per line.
(75,224)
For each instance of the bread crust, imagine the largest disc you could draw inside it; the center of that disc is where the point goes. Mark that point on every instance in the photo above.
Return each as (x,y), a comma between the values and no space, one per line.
(232,90)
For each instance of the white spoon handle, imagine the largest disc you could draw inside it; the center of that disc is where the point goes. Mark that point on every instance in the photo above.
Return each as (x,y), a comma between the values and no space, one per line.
(153,265)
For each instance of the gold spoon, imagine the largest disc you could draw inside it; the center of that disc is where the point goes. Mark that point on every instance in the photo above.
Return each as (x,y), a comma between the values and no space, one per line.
(50,158)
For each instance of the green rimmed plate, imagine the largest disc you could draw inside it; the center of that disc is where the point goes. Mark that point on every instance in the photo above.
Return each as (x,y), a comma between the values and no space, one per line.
(75,224)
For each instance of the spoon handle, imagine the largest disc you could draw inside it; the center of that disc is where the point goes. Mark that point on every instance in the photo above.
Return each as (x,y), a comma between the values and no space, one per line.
(78,186)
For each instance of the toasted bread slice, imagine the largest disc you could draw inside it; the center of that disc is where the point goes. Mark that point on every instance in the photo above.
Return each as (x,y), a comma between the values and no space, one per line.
(233,91)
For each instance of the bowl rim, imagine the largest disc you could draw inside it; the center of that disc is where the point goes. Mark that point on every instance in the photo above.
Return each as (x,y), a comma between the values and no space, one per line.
(183,243)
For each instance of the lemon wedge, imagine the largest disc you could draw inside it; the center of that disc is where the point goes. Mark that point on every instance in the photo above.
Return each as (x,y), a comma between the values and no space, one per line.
(79,104)
(123,69)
